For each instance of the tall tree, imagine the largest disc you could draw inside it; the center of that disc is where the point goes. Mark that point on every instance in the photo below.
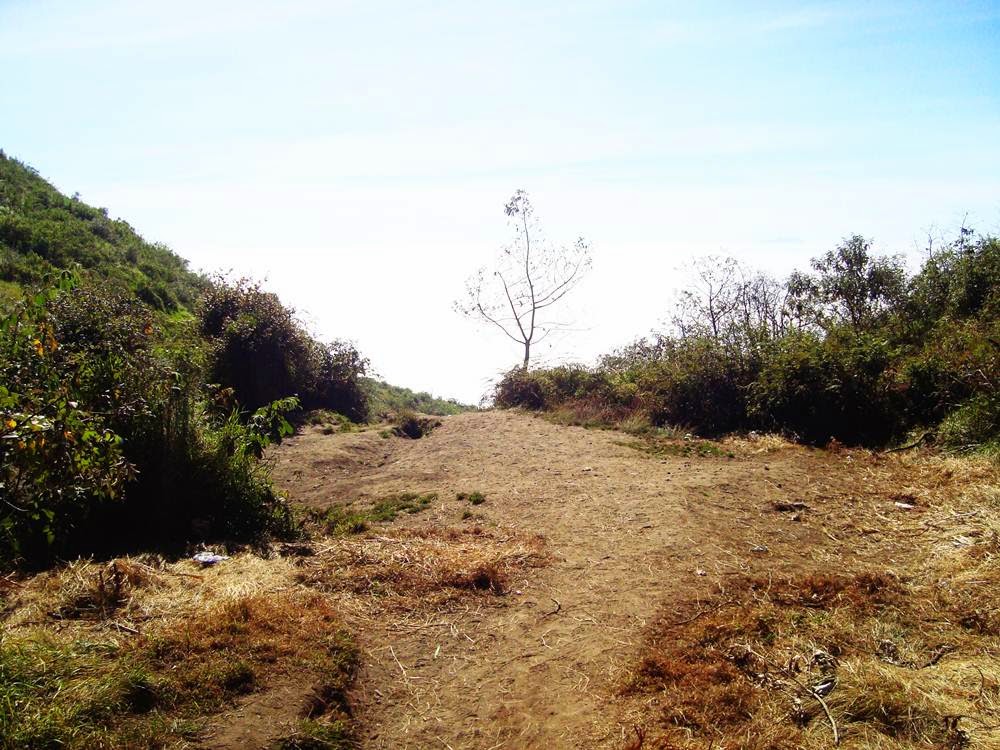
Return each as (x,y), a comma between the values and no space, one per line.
(529,277)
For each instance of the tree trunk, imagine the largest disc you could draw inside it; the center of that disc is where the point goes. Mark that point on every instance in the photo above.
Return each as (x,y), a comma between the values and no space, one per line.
(527,354)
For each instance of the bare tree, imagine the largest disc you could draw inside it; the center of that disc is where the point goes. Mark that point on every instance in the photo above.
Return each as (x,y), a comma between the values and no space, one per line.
(529,277)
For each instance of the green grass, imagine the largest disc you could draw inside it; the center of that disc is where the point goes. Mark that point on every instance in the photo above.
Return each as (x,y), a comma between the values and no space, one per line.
(385,399)
(475,498)
(350,519)
(316,735)
(83,694)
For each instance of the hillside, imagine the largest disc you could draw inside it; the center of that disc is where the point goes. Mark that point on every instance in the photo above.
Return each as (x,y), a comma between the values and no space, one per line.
(42,230)
(385,398)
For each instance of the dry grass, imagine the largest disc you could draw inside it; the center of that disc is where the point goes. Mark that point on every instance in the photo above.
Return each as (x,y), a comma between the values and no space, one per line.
(139,652)
(911,650)
(420,568)
(755,444)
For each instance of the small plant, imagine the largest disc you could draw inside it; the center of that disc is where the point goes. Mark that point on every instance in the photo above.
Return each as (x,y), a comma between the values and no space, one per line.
(341,520)
(475,498)
(316,735)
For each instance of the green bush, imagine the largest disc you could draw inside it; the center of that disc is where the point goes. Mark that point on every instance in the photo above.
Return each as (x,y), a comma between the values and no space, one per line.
(854,351)
(106,443)
(818,388)
(263,353)
(521,388)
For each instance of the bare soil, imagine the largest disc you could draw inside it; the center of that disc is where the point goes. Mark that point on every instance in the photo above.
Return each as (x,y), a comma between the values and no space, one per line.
(628,536)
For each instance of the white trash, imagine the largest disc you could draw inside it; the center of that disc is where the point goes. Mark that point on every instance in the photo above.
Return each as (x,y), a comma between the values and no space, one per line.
(208,558)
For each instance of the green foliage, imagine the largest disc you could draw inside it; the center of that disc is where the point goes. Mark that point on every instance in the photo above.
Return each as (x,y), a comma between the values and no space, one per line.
(42,231)
(854,351)
(385,399)
(818,388)
(475,498)
(356,518)
(263,353)
(105,439)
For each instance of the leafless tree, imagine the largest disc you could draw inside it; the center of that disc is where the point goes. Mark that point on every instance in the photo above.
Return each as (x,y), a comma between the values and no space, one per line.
(529,277)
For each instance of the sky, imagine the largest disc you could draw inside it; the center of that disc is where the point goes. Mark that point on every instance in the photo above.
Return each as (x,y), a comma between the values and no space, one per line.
(356,156)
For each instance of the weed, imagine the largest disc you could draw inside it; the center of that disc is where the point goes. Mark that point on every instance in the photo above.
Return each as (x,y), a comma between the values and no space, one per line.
(390,506)
(475,498)
(354,518)
(315,735)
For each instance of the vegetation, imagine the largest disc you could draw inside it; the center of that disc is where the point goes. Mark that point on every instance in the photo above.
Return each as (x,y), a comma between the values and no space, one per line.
(806,660)
(384,400)
(82,693)
(262,353)
(354,518)
(42,231)
(137,398)
(107,439)
(854,351)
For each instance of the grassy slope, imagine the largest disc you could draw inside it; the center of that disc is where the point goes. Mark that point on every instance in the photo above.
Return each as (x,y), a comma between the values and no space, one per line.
(42,230)
(385,398)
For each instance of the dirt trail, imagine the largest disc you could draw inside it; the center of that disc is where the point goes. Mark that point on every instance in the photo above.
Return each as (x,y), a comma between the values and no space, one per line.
(628,534)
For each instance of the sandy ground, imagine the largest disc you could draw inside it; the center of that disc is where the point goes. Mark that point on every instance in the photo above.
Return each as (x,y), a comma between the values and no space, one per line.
(628,535)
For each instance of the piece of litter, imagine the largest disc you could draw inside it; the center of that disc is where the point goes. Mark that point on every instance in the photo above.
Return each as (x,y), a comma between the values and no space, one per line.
(700,572)
(759,548)
(905,506)
(208,558)
(587,468)
(790,507)
(824,687)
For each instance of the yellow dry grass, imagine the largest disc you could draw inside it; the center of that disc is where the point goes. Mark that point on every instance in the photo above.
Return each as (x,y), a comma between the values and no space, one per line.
(419,568)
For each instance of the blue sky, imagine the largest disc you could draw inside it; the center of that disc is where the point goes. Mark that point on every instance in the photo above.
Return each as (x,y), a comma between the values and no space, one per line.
(358,154)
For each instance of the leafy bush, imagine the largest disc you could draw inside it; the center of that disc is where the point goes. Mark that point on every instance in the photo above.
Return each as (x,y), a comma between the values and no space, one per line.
(823,388)
(105,441)
(263,353)
(854,351)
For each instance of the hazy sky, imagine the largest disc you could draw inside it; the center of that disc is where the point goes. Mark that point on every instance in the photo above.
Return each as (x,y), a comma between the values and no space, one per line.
(357,155)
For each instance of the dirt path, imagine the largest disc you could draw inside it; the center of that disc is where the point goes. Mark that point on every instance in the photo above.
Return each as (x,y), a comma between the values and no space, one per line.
(627,534)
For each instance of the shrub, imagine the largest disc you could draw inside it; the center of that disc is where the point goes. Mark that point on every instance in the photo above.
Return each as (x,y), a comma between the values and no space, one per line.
(105,442)
(823,388)
(263,353)
(520,388)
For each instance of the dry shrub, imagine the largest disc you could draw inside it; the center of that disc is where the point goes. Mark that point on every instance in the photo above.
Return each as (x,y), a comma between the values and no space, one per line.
(421,567)
(755,443)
